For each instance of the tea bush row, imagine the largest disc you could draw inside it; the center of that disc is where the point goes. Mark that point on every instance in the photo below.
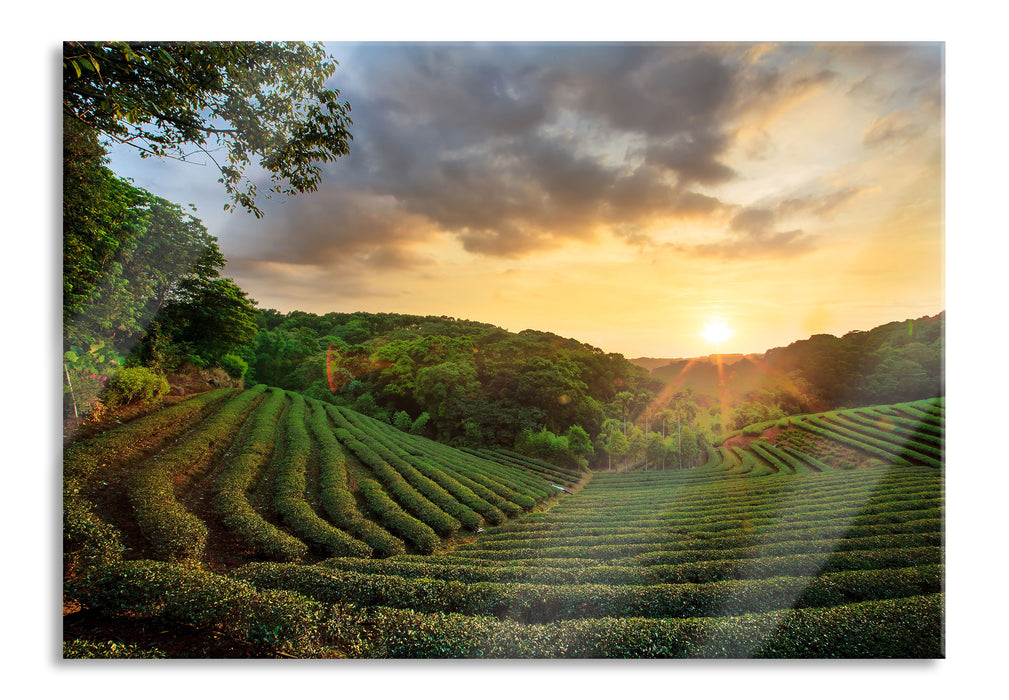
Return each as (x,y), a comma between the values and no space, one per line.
(545,470)
(882,450)
(395,519)
(902,628)
(533,603)
(474,470)
(515,485)
(573,475)
(417,460)
(174,532)
(786,463)
(184,593)
(398,488)
(729,536)
(902,420)
(903,428)
(427,487)
(887,442)
(334,491)
(231,502)
(86,536)
(906,447)
(289,491)
(694,567)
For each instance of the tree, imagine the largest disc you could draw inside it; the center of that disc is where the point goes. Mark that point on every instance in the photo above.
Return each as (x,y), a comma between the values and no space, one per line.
(688,448)
(616,444)
(636,444)
(656,449)
(126,252)
(402,421)
(580,444)
(208,318)
(254,99)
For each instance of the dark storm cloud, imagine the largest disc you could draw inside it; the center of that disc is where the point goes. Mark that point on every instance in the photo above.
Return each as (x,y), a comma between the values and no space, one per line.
(502,145)
(516,148)
(334,228)
(693,158)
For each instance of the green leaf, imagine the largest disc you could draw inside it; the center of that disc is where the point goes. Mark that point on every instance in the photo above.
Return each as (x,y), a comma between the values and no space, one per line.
(70,356)
(77,68)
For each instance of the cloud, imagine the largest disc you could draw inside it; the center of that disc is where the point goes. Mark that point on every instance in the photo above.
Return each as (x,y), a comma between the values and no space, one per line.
(751,234)
(335,228)
(693,157)
(513,148)
(818,204)
(896,127)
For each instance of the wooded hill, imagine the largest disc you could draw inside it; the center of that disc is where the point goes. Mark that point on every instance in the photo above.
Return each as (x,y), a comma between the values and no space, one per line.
(472,384)
(898,361)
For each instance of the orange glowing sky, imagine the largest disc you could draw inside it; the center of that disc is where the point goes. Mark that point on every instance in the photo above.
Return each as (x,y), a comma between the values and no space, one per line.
(625,195)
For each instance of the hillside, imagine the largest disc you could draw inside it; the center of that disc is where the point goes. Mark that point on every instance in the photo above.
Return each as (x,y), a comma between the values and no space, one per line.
(259,523)
(653,363)
(898,361)
(470,384)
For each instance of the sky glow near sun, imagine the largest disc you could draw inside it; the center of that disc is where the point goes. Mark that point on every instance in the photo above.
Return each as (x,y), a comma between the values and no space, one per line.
(716,332)
(621,194)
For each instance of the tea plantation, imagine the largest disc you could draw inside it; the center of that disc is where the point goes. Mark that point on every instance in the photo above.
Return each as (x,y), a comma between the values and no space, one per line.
(259,523)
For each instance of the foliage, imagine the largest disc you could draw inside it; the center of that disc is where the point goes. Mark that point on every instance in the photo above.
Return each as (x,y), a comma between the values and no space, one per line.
(231,502)
(265,100)
(184,593)
(704,562)
(134,385)
(478,385)
(207,318)
(173,531)
(84,649)
(289,491)
(234,365)
(140,278)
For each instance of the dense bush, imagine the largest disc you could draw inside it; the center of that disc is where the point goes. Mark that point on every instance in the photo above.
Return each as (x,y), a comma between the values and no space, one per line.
(334,491)
(134,385)
(187,594)
(536,603)
(86,536)
(234,365)
(395,519)
(426,487)
(903,628)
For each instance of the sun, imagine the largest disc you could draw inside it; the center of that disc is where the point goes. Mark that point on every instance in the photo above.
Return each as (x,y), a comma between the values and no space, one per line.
(716,331)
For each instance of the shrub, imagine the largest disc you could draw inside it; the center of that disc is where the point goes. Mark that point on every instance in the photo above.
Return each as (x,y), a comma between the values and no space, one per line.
(135,385)
(190,595)
(235,366)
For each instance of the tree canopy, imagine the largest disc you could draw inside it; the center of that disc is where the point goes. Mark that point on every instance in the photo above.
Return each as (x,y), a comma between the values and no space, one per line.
(253,99)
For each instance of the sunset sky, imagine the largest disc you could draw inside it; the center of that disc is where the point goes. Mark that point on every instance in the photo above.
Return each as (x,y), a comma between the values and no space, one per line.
(626,195)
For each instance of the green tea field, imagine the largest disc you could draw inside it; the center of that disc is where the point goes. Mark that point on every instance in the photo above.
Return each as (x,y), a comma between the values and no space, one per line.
(258,523)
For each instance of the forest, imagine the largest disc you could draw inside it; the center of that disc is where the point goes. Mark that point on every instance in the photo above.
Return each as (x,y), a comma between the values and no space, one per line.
(145,302)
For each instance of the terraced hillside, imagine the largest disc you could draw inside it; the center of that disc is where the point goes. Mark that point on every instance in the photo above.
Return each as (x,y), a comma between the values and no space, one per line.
(259,523)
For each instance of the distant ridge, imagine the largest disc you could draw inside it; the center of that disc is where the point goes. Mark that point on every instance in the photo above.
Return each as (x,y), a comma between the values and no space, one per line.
(653,363)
